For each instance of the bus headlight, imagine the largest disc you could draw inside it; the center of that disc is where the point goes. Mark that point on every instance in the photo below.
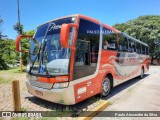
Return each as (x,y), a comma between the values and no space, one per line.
(60,85)
(28,67)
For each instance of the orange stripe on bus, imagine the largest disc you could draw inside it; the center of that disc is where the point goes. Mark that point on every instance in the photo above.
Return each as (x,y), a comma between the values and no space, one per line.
(53,80)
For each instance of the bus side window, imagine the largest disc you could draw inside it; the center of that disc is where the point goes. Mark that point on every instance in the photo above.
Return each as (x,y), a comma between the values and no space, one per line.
(138,48)
(147,51)
(143,49)
(132,47)
(123,44)
(109,40)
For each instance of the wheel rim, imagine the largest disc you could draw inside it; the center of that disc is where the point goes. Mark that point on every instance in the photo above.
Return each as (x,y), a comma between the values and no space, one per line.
(106,86)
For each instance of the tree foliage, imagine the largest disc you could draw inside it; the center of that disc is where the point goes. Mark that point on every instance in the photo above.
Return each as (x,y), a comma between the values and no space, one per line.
(25,44)
(1,21)
(8,54)
(16,27)
(7,51)
(146,29)
(3,64)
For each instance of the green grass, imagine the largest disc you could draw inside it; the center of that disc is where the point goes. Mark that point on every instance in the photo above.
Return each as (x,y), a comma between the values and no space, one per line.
(4,81)
(13,70)
(60,113)
(21,118)
(130,90)
(6,76)
(110,103)
(27,118)
(16,69)
(48,118)
(23,109)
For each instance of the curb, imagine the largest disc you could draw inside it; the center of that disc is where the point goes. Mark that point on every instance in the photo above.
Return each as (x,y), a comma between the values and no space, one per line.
(95,111)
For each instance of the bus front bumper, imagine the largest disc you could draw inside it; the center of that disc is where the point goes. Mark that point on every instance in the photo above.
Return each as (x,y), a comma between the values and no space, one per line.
(62,96)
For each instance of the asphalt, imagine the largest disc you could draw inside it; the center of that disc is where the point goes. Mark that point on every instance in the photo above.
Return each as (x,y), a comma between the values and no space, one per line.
(135,95)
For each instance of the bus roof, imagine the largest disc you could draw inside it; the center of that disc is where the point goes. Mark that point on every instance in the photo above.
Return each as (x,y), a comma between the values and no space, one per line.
(98,22)
(57,19)
(133,39)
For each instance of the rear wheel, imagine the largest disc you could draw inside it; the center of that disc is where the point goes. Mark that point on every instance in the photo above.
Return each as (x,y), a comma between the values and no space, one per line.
(106,87)
(142,73)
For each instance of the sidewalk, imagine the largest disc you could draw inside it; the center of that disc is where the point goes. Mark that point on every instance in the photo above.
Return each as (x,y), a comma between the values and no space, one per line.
(139,95)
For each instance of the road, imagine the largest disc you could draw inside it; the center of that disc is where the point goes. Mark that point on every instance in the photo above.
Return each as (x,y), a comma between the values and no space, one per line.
(135,95)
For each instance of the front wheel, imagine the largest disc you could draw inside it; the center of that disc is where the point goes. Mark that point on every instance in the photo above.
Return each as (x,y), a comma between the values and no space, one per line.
(106,86)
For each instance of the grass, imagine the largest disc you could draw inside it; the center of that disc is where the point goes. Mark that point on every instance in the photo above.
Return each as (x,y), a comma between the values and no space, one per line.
(61,112)
(16,69)
(48,118)
(27,118)
(4,81)
(130,89)
(6,76)
(23,109)
(21,118)
(110,103)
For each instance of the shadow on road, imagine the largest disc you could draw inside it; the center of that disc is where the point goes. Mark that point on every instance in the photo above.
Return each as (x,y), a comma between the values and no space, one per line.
(86,104)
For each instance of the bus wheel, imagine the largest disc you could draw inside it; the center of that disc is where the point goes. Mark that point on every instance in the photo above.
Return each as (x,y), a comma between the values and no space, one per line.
(142,73)
(106,86)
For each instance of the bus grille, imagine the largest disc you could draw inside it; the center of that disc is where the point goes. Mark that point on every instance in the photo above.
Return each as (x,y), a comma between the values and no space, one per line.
(41,84)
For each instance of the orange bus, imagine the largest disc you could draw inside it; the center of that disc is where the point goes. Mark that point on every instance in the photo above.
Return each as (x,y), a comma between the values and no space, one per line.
(75,57)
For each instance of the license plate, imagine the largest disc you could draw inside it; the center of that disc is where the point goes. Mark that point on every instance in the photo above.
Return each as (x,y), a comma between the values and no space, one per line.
(39,92)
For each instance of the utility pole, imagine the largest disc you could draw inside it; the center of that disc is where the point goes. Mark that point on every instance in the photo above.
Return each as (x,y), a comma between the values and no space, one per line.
(19,32)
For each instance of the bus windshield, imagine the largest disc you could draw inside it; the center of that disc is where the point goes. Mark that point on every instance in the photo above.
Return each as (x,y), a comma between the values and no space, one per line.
(47,57)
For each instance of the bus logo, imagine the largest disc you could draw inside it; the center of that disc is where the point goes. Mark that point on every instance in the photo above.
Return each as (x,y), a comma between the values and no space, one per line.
(53,26)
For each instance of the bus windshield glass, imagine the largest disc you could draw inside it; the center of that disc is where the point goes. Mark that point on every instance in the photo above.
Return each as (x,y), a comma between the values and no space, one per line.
(47,57)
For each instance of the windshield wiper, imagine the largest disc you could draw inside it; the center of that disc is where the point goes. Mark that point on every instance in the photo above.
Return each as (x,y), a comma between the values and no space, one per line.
(42,56)
(37,55)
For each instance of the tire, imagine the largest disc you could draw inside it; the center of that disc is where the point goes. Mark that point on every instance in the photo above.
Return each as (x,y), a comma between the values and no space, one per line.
(142,73)
(106,87)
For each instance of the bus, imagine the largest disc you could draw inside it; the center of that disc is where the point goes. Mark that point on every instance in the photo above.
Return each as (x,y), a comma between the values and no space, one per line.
(76,57)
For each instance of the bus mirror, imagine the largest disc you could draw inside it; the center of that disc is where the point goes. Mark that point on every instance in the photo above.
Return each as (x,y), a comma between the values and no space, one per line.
(65,34)
(18,39)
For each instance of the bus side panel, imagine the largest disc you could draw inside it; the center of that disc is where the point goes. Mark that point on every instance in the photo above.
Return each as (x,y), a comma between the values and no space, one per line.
(107,63)
(123,68)
(146,63)
(87,88)
(92,86)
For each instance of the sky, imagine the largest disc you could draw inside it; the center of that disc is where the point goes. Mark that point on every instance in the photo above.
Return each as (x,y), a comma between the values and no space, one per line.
(36,12)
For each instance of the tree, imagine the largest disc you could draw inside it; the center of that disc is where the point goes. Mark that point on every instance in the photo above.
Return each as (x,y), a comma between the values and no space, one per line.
(145,28)
(16,27)
(3,64)
(1,21)
(25,44)
(8,54)
(8,50)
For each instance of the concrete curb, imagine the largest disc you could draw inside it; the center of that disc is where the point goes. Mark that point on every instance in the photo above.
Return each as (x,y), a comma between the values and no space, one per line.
(94,111)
